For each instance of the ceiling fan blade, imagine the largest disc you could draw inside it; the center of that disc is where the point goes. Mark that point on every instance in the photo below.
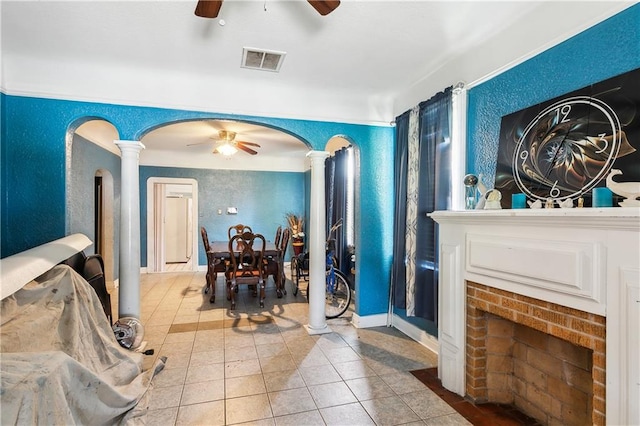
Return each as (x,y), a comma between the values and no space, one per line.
(248,143)
(198,143)
(324,7)
(208,8)
(246,149)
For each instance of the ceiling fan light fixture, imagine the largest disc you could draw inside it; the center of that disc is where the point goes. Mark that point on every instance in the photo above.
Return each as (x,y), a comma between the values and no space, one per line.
(227,135)
(227,149)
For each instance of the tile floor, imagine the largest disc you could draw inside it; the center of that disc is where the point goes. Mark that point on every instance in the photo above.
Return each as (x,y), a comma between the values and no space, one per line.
(261,367)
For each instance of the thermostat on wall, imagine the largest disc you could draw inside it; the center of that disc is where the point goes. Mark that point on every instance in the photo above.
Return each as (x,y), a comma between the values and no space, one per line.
(232,210)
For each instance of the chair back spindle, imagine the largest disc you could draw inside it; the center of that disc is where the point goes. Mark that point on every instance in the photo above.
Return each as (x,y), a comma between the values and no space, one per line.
(278,236)
(285,242)
(238,229)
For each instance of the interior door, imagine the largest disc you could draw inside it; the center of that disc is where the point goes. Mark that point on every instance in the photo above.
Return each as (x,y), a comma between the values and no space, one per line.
(158,226)
(176,230)
(98,217)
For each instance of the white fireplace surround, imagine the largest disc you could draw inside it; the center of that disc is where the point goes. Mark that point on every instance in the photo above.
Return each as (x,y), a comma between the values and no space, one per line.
(586,259)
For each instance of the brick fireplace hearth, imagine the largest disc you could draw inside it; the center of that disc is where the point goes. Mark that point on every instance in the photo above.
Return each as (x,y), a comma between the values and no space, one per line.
(545,359)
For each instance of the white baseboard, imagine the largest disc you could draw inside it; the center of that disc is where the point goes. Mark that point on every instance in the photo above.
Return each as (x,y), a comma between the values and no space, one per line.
(402,325)
(367,321)
(417,334)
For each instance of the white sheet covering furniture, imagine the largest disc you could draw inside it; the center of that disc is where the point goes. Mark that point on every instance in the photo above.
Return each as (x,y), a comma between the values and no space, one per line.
(60,361)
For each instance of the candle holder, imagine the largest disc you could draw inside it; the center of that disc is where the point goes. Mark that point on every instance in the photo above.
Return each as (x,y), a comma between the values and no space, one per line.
(470,192)
(602,197)
(518,201)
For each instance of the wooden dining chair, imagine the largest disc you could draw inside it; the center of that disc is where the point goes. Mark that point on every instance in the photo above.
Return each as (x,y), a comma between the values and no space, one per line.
(210,266)
(238,229)
(276,241)
(246,252)
(282,249)
(213,266)
(273,264)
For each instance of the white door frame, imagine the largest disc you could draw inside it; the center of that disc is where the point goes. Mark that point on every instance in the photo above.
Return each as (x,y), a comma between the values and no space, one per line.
(151,228)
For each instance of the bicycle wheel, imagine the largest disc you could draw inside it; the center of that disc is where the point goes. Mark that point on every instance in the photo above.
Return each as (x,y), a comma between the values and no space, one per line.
(337,303)
(295,275)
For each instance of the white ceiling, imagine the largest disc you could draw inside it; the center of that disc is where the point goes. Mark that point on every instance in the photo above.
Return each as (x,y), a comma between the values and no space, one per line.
(366,62)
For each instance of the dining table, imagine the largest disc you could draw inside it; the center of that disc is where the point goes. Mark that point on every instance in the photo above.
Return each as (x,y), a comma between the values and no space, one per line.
(219,250)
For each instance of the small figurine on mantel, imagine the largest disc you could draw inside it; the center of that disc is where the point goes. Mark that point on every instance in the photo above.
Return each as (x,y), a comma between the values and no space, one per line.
(629,190)
(470,191)
(493,197)
(565,204)
(483,193)
(549,204)
(537,204)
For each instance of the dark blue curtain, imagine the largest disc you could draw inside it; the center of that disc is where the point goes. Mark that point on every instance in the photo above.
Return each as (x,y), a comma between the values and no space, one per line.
(337,179)
(434,194)
(398,269)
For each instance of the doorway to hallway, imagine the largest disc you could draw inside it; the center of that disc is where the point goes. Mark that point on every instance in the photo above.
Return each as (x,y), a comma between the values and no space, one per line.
(172,219)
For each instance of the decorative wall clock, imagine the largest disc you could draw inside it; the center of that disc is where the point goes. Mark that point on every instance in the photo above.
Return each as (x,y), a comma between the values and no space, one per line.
(565,147)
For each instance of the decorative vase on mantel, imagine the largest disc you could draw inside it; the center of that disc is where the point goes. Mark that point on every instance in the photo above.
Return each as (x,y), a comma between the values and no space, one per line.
(298,246)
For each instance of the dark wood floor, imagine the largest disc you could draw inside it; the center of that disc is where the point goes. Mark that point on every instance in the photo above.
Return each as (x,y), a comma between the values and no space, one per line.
(479,415)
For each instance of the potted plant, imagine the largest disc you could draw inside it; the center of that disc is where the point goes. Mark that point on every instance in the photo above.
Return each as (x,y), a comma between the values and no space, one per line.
(296,226)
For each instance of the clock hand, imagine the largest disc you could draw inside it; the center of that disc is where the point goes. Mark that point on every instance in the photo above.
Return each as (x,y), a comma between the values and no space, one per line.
(557,149)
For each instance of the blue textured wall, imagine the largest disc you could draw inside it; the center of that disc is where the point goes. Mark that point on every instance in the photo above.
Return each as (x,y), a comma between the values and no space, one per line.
(86,159)
(603,51)
(34,130)
(262,199)
(33,176)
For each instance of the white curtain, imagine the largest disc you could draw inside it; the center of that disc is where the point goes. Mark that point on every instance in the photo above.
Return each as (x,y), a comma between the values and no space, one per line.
(413,168)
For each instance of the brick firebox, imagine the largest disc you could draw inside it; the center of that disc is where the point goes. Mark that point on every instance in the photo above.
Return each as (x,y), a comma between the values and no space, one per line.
(535,355)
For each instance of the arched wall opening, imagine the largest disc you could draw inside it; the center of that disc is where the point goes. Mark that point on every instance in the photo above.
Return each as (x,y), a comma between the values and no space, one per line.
(92,173)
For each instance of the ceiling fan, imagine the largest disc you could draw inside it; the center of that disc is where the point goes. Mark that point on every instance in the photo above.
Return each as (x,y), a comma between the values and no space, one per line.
(211,8)
(230,145)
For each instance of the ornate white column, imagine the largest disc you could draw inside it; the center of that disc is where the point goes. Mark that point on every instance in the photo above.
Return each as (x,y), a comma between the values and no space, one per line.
(129,290)
(317,231)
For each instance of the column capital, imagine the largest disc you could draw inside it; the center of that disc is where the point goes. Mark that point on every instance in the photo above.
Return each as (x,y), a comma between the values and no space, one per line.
(318,155)
(129,146)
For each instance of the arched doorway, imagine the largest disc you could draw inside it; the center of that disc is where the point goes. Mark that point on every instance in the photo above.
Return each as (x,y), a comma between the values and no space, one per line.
(104,230)
(92,180)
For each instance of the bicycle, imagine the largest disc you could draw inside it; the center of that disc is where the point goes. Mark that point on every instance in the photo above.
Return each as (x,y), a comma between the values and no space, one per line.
(337,288)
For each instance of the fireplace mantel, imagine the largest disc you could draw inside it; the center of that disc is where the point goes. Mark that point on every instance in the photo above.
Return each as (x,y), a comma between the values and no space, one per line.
(586,259)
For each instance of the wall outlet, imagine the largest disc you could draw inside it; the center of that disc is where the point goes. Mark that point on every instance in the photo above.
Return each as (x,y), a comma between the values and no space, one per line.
(219,211)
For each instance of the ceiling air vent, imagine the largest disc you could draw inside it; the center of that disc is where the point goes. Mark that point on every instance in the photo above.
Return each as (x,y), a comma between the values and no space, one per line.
(266,60)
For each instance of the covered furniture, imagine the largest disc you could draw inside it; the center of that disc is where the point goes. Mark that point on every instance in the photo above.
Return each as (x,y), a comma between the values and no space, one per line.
(92,270)
(61,363)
